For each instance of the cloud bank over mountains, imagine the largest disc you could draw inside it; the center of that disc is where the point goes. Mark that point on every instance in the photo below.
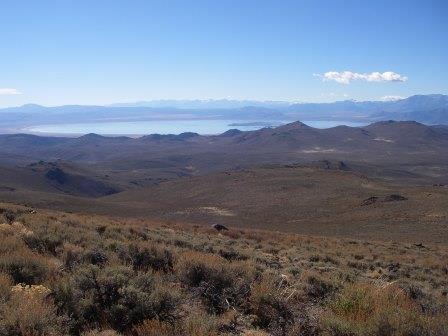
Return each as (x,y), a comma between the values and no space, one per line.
(9,91)
(346,77)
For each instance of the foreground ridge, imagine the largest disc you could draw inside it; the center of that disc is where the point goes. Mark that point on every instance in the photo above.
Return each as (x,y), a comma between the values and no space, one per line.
(72,273)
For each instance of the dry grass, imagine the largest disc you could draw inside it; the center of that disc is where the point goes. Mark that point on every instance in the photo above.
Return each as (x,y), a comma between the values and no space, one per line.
(364,309)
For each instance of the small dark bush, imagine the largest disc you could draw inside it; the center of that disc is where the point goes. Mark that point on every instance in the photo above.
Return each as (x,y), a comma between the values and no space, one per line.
(232,255)
(96,257)
(319,289)
(9,216)
(101,229)
(26,269)
(358,265)
(314,258)
(72,259)
(329,259)
(274,314)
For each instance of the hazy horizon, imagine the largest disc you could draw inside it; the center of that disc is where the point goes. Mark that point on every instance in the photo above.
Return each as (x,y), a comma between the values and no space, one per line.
(164,102)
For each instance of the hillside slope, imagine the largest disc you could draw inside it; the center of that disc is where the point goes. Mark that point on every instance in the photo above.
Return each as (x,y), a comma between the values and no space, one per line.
(75,274)
(299,199)
(54,178)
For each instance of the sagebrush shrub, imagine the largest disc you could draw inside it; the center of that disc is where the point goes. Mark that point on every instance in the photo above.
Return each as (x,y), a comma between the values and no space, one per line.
(96,256)
(220,286)
(24,267)
(44,242)
(151,258)
(117,295)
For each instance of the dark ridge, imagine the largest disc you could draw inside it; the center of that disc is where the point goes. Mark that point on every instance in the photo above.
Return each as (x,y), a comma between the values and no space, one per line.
(395,123)
(231,132)
(31,139)
(187,135)
(181,136)
(91,136)
(296,125)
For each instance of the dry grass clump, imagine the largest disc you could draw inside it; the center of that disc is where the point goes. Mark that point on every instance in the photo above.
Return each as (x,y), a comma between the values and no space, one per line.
(272,303)
(5,287)
(95,332)
(30,311)
(194,325)
(201,325)
(364,309)
(70,274)
(154,328)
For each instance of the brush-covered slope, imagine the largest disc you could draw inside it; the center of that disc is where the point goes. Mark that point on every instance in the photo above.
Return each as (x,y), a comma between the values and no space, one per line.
(73,274)
(325,198)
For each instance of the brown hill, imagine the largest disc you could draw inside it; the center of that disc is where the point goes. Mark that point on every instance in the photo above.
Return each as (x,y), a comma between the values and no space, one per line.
(298,199)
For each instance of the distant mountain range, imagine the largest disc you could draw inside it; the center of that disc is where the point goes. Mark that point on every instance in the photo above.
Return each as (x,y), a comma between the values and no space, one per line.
(205,104)
(429,109)
(417,102)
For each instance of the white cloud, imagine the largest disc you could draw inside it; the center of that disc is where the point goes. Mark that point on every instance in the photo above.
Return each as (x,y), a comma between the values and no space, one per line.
(391,98)
(8,91)
(334,95)
(345,77)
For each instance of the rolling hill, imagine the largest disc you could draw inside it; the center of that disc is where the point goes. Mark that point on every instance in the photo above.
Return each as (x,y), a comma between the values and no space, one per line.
(392,149)
(341,181)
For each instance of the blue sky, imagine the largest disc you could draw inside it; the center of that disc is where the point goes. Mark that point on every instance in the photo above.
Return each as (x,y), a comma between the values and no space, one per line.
(101,52)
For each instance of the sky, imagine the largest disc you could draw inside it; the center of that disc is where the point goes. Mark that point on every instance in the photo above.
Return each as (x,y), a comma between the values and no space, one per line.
(102,52)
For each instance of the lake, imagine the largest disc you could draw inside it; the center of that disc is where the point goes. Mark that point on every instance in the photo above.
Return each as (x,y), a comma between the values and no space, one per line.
(172,126)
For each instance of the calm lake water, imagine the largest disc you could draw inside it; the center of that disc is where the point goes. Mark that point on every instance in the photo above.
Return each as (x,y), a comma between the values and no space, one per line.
(172,126)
